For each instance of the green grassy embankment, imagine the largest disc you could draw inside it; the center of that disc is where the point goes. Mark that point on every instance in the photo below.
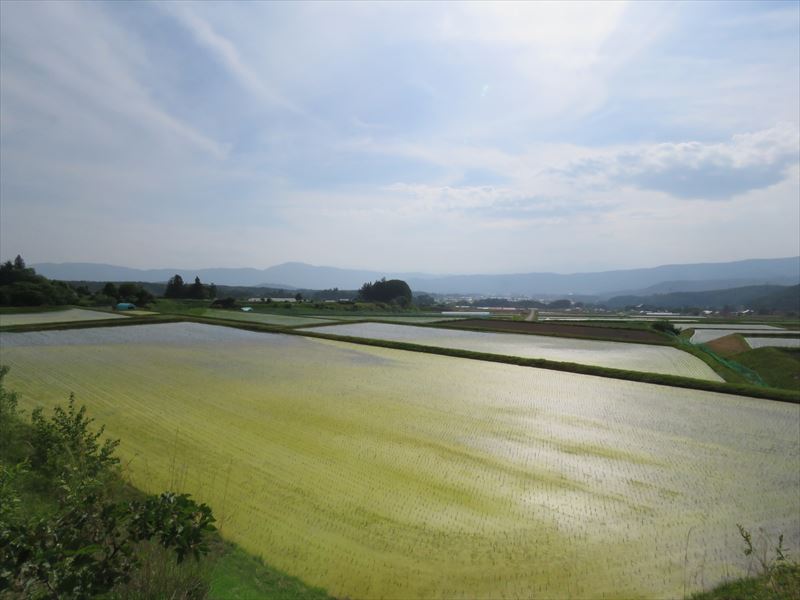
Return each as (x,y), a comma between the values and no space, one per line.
(776,367)
(239,575)
(779,367)
(728,370)
(782,583)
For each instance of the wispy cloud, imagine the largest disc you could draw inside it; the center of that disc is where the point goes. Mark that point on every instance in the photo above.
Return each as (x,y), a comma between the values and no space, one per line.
(225,51)
(82,66)
(399,135)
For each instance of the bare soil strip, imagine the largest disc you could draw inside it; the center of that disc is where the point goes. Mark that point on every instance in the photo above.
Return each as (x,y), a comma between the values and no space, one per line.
(594,332)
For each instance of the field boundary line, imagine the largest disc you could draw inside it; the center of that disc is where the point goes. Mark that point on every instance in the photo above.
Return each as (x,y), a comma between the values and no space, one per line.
(445,325)
(569,367)
(737,389)
(56,326)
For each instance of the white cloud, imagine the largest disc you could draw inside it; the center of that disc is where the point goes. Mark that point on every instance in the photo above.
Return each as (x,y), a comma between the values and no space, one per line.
(698,170)
(77,65)
(450,136)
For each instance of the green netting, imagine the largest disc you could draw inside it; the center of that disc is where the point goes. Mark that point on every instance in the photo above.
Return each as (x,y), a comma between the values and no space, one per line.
(750,375)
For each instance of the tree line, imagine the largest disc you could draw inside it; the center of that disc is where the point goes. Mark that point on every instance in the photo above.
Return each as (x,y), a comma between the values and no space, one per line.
(392,291)
(176,288)
(20,285)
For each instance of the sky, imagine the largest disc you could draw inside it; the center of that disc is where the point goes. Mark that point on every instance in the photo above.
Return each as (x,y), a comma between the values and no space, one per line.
(431,137)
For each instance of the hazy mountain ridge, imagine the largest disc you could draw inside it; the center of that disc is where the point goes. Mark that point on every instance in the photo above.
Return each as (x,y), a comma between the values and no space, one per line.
(779,271)
(705,285)
(768,297)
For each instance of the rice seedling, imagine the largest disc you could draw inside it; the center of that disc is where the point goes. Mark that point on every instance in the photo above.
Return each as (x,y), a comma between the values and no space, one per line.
(620,355)
(268,318)
(68,315)
(380,473)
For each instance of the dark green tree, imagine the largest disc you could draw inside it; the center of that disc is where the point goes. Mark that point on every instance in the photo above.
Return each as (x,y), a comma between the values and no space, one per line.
(197,290)
(143,297)
(128,291)
(175,287)
(424,300)
(395,291)
(21,286)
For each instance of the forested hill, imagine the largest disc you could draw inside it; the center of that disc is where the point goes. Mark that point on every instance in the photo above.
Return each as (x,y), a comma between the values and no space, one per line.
(714,276)
(756,297)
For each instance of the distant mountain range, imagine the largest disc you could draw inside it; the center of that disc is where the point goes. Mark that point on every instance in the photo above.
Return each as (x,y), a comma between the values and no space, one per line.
(768,297)
(603,285)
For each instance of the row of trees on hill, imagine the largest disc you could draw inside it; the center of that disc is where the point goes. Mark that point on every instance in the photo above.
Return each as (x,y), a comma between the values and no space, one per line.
(128,292)
(176,288)
(21,286)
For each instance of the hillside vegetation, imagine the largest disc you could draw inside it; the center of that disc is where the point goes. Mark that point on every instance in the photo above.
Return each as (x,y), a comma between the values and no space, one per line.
(779,367)
(21,286)
(757,297)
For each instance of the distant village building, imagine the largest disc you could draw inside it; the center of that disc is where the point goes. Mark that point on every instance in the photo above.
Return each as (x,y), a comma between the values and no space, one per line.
(247,309)
(258,300)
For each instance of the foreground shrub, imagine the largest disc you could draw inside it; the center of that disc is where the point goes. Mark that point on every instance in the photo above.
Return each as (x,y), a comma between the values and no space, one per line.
(88,541)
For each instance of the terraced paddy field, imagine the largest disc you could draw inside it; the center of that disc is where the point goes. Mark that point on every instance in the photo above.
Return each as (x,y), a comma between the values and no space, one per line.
(303,319)
(736,326)
(702,336)
(68,315)
(619,355)
(378,473)
(411,320)
(776,342)
(617,333)
(268,318)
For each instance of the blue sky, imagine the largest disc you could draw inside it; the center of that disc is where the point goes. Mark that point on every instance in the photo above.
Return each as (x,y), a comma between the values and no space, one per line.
(441,137)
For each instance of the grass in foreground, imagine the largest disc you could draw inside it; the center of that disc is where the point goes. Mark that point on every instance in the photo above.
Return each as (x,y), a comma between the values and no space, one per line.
(56,482)
(238,575)
(781,583)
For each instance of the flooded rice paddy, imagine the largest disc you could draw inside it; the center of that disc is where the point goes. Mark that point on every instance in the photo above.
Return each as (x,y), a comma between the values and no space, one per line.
(703,336)
(68,315)
(618,355)
(777,342)
(381,473)
(267,318)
